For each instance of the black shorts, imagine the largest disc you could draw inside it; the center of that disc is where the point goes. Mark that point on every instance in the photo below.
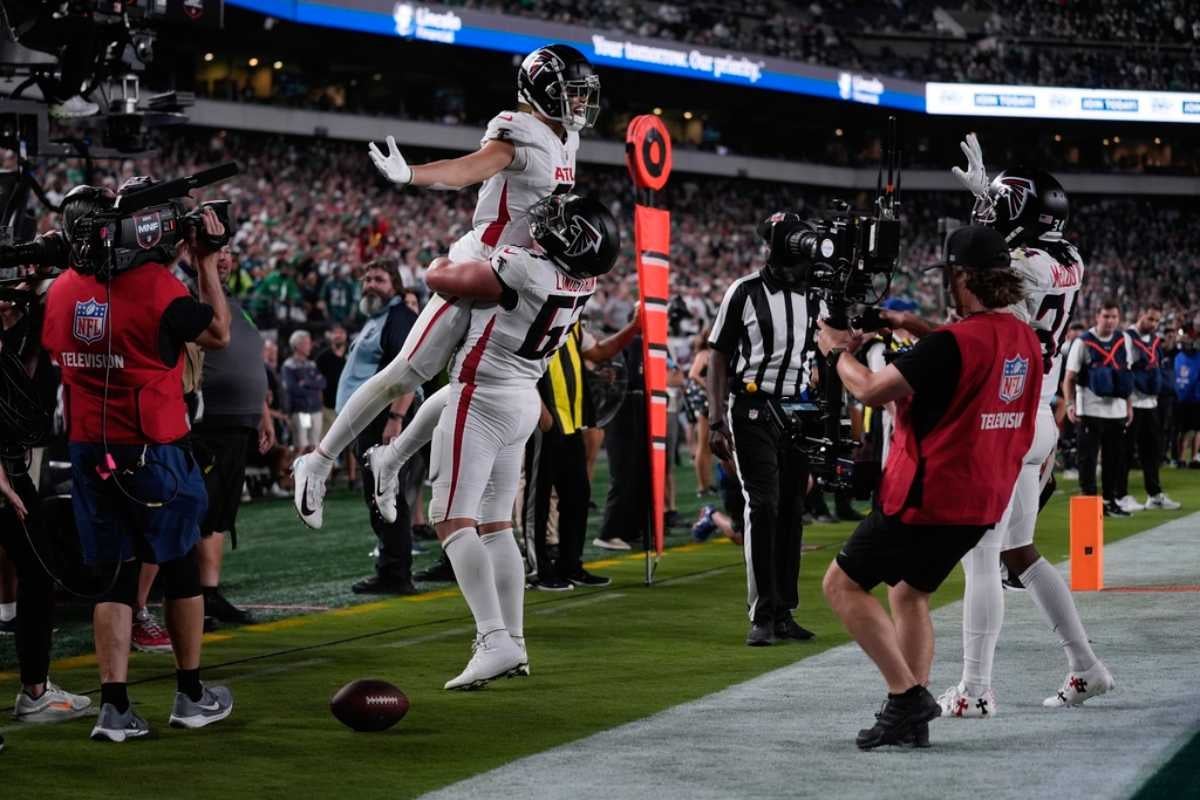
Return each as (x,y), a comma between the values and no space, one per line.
(884,549)
(1187,417)
(221,453)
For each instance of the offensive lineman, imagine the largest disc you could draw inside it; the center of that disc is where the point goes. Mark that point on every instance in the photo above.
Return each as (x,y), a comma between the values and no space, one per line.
(523,156)
(1030,208)
(538,293)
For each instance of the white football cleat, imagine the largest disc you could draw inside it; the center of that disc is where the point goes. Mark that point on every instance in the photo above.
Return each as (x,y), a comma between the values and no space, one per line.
(1080,686)
(309,476)
(1161,500)
(955,702)
(520,670)
(1130,504)
(494,655)
(386,480)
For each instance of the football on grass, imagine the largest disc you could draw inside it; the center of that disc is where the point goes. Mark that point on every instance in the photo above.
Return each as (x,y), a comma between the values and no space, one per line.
(369,705)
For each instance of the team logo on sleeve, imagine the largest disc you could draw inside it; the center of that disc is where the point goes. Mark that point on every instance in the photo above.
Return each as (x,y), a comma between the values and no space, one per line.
(1012,382)
(89,320)
(585,237)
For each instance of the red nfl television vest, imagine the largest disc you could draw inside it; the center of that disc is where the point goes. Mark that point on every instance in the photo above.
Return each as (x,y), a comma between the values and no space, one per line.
(964,470)
(92,329)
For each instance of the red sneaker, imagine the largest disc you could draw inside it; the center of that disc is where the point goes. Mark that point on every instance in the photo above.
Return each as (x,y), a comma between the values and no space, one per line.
(148,635)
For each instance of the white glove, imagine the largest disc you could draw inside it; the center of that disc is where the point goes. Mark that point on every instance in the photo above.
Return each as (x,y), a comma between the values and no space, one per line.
(392,166)
(975,178)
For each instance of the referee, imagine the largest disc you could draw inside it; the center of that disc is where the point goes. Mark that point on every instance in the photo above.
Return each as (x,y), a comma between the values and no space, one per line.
(556,460)
(761,339)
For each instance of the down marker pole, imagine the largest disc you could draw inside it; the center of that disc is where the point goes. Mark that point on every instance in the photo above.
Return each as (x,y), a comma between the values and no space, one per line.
(648,157)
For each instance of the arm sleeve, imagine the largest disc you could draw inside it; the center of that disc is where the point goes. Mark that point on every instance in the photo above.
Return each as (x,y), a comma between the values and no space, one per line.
(511,127)
(875,357)
(182,321)
(1075,356)
(727,327)
(933,366)
(511,270)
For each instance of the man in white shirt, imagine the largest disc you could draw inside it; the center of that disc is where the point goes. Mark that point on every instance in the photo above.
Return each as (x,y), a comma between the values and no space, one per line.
(1097,385)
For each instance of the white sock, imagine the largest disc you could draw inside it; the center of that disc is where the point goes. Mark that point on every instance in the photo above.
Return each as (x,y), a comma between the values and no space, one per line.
(419,432)
(1052,597)
(8,611)
(473,570)
(509,568)
(983,616)
(366,402)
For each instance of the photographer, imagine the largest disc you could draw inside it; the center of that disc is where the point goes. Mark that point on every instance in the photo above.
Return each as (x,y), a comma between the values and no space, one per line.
(27,376)
(117,323)
(760,340)
(966,399)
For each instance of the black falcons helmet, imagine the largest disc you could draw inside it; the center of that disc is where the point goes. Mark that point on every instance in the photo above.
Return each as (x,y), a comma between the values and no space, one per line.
(561,85)
(78,210)
(578,233)
(1023,204)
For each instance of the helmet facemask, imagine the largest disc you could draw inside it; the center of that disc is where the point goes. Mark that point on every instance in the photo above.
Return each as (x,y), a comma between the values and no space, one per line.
(580,101)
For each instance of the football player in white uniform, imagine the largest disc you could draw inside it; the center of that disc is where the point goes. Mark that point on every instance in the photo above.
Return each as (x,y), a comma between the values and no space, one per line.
(1030,207)
(538,293)
(524,156)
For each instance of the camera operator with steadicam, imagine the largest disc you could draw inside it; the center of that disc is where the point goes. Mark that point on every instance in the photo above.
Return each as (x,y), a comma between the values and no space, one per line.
(116,323)
(966,400)
(761,341)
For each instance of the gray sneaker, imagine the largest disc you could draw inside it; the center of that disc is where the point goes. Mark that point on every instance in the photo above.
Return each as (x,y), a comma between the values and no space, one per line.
(214,705)
(55,705)
(117,727)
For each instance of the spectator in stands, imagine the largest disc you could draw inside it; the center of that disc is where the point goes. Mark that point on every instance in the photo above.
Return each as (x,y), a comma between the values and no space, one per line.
(276,403)
(1187,407)
(339,297)
(303,384)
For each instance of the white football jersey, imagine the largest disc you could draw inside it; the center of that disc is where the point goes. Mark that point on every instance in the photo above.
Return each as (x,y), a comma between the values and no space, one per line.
(543,164)
(509,345)
(1053,289)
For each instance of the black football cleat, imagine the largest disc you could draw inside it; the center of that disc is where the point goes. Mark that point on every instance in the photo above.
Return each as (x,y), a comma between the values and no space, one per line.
(897,722)
(219,608)
(761,634)
(379,585)
(788,629)
(441,572)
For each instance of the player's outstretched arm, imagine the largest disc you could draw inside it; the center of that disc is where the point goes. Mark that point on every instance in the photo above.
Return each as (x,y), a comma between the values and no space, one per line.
(450,173)
(475,280)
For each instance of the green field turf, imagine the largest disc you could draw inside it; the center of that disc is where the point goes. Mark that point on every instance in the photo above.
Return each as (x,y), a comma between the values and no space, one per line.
(599,658)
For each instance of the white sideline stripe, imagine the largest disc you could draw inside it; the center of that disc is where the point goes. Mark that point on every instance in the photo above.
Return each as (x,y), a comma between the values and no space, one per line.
(790,732)
(562,607)
(431,637)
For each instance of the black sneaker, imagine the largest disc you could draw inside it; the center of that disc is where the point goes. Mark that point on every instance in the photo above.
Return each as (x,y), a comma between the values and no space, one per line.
(553,584)
(1111,509)
(897,721)
(424,532)
(588,580)
(849,514)
(442,571)
(220,609)
(8,627)
(787,628)
(761,634)
(380,585)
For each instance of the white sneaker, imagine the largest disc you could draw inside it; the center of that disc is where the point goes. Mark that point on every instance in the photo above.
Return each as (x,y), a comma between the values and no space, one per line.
(1161,500)
(955,702)
(1080,686)
(611,544)
(74,108)
(520,670)
(55,705)
(493,656)
(1070,474)
(309,493)
(1129,503)
(386,481)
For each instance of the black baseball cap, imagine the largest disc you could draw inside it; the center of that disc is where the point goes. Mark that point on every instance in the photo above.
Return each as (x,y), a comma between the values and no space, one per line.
(975,247)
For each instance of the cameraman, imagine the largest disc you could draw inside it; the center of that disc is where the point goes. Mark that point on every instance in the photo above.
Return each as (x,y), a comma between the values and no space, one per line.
(760,340)
(966,399)
(137,493)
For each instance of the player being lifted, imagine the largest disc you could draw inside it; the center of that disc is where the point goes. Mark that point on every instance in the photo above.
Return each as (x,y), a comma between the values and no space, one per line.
(493,404)
(524,156)
(1030,207)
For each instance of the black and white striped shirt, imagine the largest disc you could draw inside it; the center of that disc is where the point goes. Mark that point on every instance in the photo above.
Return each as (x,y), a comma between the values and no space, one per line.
(766,330)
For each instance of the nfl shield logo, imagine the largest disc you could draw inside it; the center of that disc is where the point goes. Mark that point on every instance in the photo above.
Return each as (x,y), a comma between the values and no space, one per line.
(89,320)
(1012,382)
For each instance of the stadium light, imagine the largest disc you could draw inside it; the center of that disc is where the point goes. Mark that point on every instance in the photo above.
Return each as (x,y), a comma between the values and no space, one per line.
(1116,140)
(1106,142)
(253,62)
(658,111)
(209,56)
(1157,140)
(278,65)
(1058,137)
(687,115)
(838,132)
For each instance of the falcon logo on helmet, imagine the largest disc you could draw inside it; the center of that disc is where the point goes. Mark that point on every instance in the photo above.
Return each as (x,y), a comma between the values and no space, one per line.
(1016,192)
(586,237)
